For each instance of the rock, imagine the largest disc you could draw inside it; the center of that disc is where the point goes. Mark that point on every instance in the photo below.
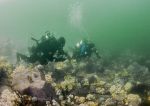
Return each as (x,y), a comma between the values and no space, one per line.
(133,100)
(139,73)
(101,83)
(68,83)
(30,82)
(79,100)
(23,78)
(81,65)
(118,93)
(81,91)
(90,97)
(48,103)
(115,88)
(102,99)
(40,67)
(34,99)
(70,99)
(3,78)
(149,98)
(48,78)
(62,66)
(110,102)
(123,73)
(5,65)
(112,89)
(93,79)
(55,103)
(85,82)
(91,103)
(128,86)
(82,104)
(5,70)
(100,90)
(9,98)
(119,96)
(74,63)
(60,70)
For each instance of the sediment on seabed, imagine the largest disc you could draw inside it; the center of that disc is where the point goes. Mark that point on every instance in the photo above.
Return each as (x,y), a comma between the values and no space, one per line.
(123,81)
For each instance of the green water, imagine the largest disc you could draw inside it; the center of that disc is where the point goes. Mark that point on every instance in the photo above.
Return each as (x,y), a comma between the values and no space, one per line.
(114,25)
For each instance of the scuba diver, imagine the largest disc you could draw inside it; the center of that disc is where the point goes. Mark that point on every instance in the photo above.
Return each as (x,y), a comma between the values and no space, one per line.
(48,48)
(84,49)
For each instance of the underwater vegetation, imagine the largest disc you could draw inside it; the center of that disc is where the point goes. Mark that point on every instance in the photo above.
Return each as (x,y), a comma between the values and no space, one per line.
(82,79)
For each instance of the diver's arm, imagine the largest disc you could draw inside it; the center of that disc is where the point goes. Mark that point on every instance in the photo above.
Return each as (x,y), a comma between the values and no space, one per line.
(22,57)
(96,52)
(37,42)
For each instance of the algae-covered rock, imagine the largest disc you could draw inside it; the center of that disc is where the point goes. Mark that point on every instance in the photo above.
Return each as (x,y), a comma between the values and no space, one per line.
(123,73)
(70,99)
(120,97)
(133,100)
(5,65)
(118,93)
(23,77)
(62,66)
(68,83)
(3,78)
(61,69)
(30,81)
(91,103)
(112,89)
(90,97)
(79,100)
(128,86)
(48,78)
(99,83)
(115,88)
(110,102)
(55,103)
(139,72)
(9,98)
(5,70)
(74,63)
(85,82)
(149,98)
(100,90)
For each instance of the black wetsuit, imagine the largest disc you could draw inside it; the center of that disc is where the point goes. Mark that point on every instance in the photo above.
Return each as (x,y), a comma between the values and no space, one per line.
(47,49)
(86,49)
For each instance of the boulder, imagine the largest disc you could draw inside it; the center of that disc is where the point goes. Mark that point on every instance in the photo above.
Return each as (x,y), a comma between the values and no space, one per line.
(30,81)
(9,98)
(133,100)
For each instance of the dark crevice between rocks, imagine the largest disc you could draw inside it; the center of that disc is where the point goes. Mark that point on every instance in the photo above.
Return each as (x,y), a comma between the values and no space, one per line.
(142,90)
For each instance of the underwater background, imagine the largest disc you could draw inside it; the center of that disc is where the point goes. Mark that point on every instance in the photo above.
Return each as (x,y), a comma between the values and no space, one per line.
(46,74)
(113,25)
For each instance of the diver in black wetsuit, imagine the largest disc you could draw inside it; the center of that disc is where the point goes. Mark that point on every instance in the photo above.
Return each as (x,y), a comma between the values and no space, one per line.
(48,48)
(85,49)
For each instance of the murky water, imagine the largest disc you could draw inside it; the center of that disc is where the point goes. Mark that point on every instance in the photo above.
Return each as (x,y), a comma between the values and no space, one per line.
(114,25)
(119,76)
